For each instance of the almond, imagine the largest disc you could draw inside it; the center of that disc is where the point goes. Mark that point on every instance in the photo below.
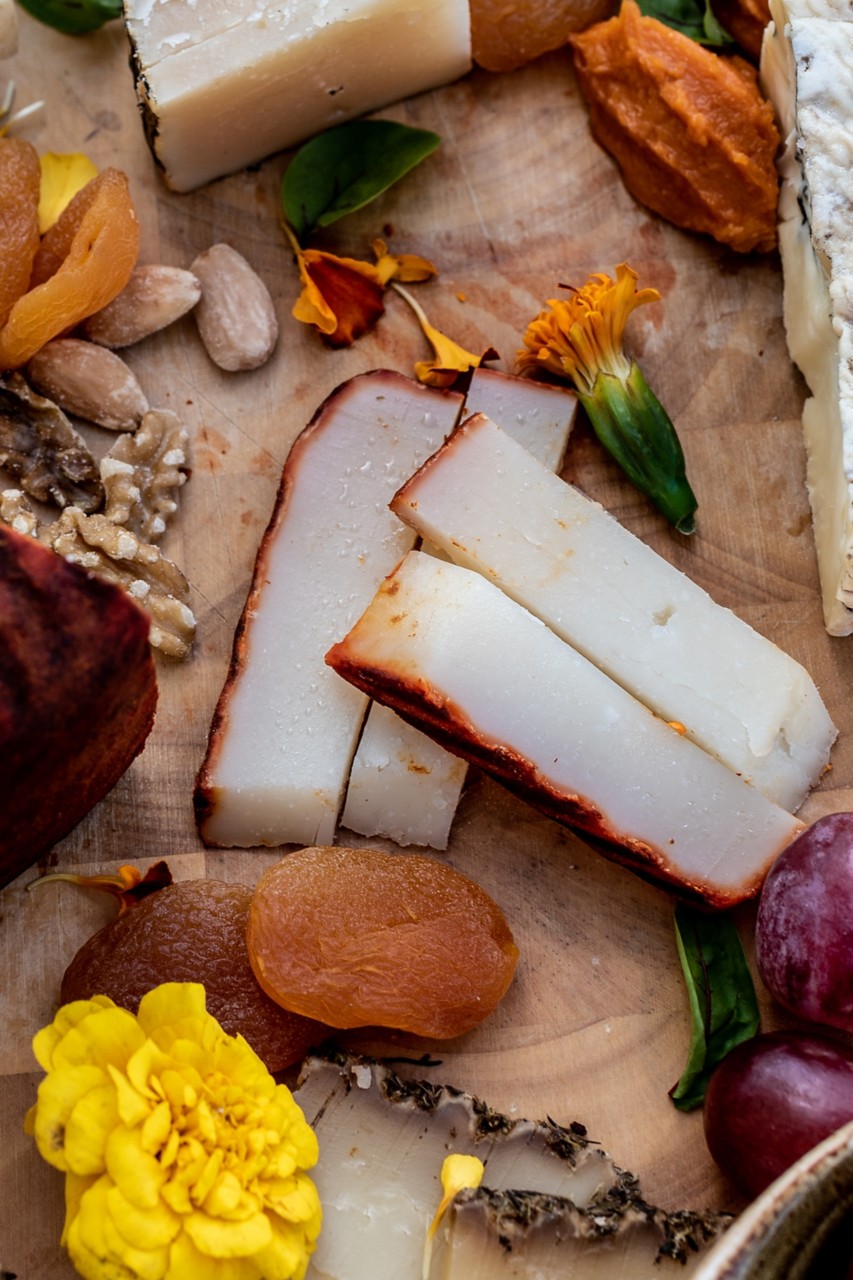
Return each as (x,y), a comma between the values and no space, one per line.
(235,315)
(155,296)
(89,381)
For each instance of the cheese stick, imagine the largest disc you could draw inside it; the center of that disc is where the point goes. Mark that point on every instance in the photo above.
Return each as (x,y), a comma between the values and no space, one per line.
(452,652)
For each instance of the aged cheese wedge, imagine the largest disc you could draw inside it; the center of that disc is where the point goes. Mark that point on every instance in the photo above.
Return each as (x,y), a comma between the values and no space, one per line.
(223,84)
(285,728)
(451,651)
(383,1140)
(807,71)
(402,784)
(492,507)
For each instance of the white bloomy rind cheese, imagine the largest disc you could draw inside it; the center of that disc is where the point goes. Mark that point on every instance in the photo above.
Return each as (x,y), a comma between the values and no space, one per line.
(403,784)
(224,83)
(452,651)
(807,71)
(285,727)
(493,508)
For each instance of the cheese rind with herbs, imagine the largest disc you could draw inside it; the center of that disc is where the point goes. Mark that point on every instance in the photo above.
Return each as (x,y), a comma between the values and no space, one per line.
(807,71)
(226,84)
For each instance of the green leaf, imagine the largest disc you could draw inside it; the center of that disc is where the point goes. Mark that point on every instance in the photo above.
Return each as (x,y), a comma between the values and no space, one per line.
(693,18)
(345,168)
(73,17)
(720,990)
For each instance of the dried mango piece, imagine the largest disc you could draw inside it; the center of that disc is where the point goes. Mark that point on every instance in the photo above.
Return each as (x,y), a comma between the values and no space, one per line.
(84,261)
(20,177)
(689,129)
(505,36)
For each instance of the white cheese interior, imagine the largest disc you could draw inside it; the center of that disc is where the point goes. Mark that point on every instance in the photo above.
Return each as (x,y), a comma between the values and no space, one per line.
(228,82)
(458,642)
(283,753)
(495,509)
(807,71)
(402,784)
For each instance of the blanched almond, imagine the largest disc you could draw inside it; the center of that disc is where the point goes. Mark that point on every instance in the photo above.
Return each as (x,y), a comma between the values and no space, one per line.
(90,381)
(235,316)
(154,297)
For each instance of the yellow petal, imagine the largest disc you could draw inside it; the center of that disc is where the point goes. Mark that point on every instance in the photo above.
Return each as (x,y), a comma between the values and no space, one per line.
(142,1228)
(186,1262)
(105,1036)
(75,1189)
(286,1255)
(134,1170)
(449,360)
(220,1239)
(88,1128)
(409,267)
(58,1095)
(457,1173)
(46,1040)
(169,1004)
(133,1107)
(157,1128)
(62,176)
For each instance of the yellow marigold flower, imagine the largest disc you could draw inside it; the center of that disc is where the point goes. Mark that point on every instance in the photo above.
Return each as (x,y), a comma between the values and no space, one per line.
(580,338)
(62,176)
(449,358)
(184,1159)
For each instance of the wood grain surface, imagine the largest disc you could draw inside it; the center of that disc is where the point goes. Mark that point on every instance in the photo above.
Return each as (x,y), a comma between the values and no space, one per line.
(517,199)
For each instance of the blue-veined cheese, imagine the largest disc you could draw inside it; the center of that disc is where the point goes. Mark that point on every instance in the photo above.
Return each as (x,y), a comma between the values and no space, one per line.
(225,83)
(807,71)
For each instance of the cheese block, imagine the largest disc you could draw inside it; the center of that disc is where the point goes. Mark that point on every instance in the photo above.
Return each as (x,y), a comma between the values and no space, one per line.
(493,508)
(285,727)
(226,83)
(451,651)
(807,71)
(402,784)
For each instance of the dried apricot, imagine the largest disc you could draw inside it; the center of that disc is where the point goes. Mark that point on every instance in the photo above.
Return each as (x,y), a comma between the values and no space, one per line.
(505,36)
(84,261)
(20,176)
(358,937)
(194,931)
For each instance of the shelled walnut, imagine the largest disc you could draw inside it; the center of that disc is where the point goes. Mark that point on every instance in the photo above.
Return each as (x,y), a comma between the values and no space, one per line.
(142,473)
(42,450)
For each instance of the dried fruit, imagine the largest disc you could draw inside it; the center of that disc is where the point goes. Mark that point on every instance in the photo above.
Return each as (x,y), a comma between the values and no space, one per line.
(77,695)
(143,472)
(154,297)
(359,937)
(191,932)
(41,449)
(505,36)
(235,316)
(89,381)
(84,260)
(691,132)
(20,175)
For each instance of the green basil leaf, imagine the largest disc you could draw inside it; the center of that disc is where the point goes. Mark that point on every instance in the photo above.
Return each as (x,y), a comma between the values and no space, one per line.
(73,17)
(693,18)
(721,993)
(345,168)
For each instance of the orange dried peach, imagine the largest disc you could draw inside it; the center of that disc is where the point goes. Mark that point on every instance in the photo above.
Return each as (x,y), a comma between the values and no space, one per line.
(84,261)
(194,931)
(507,35)
(358,937)
(20,177)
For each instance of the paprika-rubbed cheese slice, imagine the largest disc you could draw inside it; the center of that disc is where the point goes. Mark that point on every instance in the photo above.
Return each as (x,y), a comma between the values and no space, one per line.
(77,695)
(447,649)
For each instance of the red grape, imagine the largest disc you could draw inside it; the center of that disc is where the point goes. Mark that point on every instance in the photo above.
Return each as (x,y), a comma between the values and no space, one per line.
(804,931)
(771,1100)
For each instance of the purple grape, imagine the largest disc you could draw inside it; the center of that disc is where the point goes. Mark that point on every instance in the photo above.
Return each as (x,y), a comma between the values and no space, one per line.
(771,1100)
(804,931)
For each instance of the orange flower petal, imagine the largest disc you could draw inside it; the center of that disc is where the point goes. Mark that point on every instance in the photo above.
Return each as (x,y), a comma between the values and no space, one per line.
(449,359)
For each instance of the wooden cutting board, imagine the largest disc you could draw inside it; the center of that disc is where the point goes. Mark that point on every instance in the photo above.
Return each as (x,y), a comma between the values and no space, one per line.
(517,199)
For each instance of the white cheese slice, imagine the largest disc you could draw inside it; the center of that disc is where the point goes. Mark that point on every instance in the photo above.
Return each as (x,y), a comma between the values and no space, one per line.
(225,83)
(453,652)
(402,784)
(493,508)
(286,726)
(807,71)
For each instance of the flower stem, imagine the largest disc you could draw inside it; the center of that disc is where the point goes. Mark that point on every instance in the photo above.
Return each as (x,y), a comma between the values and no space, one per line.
(637,432)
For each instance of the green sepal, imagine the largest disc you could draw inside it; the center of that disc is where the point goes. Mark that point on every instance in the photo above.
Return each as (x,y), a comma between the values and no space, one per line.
(73,17)
(636,431)
(721,995)
(345,168)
